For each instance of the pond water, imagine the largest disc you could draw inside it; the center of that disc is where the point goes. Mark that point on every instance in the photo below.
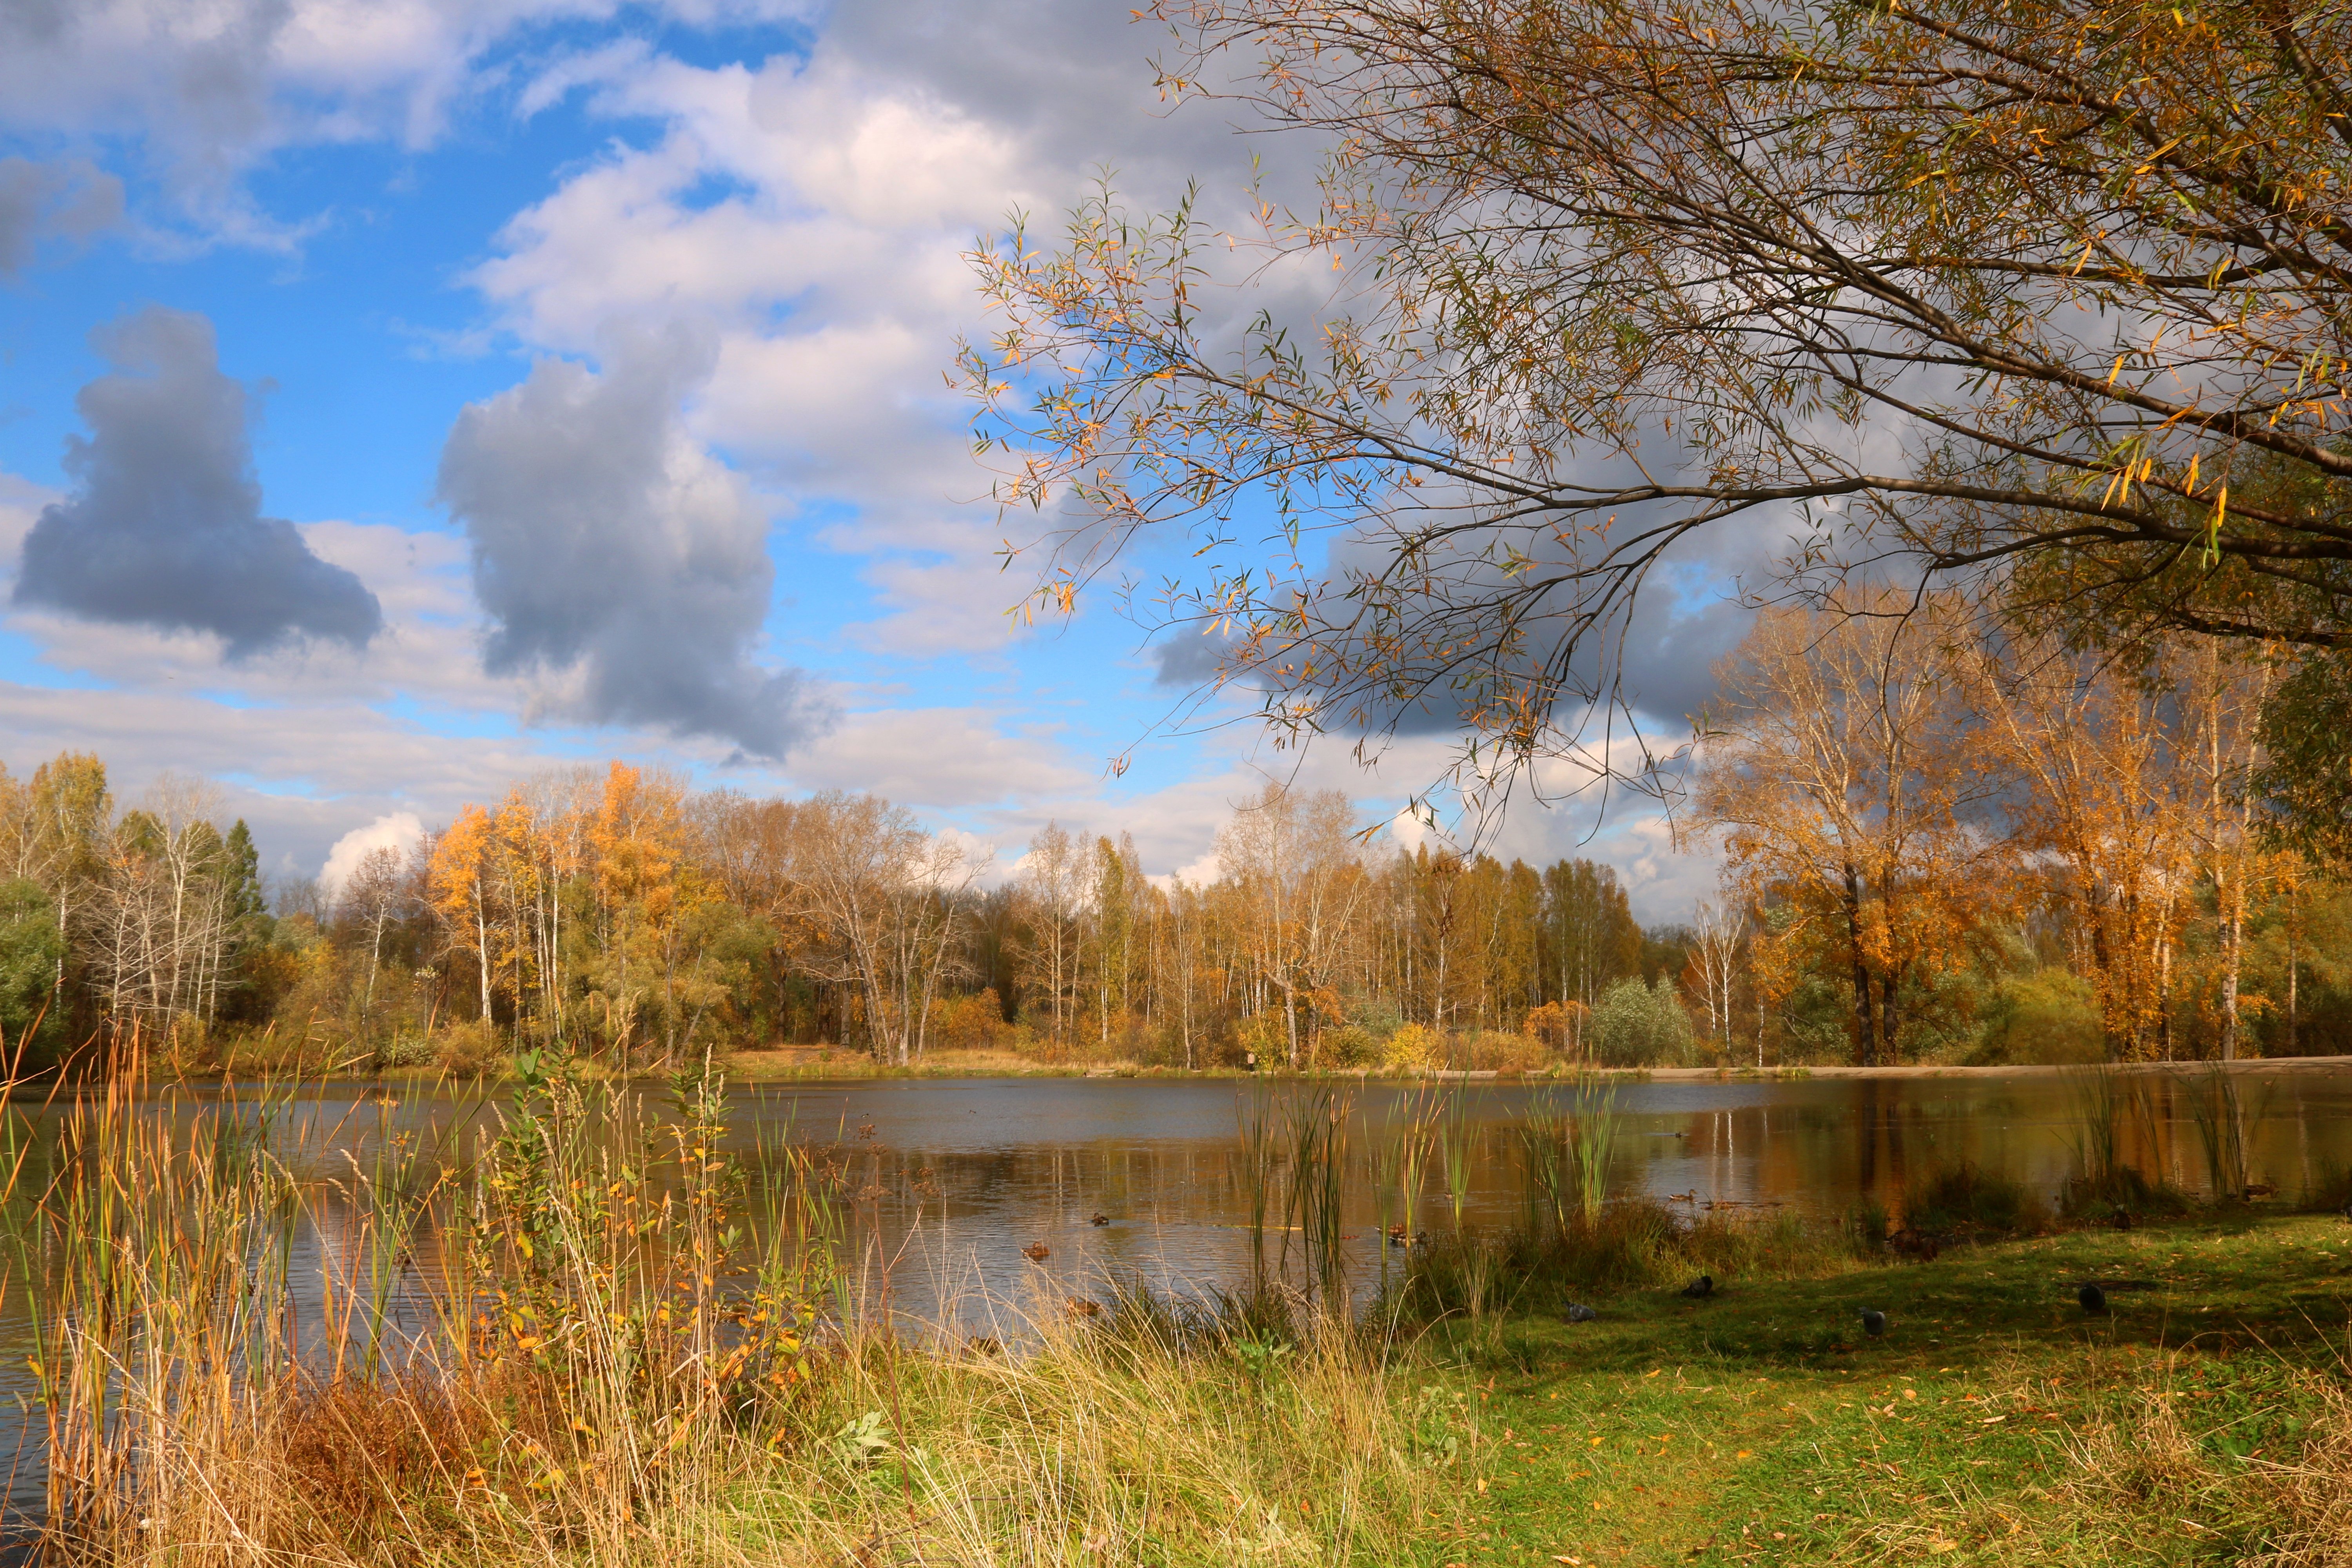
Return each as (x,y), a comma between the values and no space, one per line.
(946,1182)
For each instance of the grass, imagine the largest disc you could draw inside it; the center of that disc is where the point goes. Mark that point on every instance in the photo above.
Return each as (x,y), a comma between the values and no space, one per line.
(2205,1420)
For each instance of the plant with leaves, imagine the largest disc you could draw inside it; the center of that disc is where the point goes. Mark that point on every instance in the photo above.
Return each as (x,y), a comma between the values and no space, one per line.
(1842,778)
(2053,295)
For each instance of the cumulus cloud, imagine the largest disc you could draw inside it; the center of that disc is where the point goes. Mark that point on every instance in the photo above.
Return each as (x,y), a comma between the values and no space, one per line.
(70,199)
(401,830)
(206,92)
(163,528)
(614,552)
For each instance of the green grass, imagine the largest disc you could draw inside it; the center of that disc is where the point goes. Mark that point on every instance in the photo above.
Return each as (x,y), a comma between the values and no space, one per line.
(1994,1423)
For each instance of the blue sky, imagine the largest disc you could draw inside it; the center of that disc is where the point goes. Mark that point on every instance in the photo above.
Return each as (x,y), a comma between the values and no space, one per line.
(600,348)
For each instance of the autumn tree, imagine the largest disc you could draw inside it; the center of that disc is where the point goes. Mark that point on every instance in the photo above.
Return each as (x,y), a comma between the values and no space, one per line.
(1840,776)
(456,879)
(1053,879)
(2032,293)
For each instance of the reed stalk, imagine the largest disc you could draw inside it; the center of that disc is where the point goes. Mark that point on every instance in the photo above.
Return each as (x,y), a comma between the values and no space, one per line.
(1594,1127)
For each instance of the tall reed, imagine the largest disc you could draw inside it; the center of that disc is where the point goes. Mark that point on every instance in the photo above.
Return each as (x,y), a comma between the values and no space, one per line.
(1315,1124)
(1593,1128)
(1457,1151)
(2113,1116)
(1257,1170)
(2217,1110)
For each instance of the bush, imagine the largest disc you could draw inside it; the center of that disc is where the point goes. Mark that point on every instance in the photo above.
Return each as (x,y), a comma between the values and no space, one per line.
(2328,1192)
(2049,1018)
(30,952)
(1349,1046)
(467,1049)
(1490,1050)
(1635,1025)
(973,1023)
(1555,1023)
(407,1049)
(1415,1047)
(1966,1201)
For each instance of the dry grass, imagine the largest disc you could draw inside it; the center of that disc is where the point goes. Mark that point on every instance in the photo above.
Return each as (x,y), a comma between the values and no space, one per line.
(617,1371)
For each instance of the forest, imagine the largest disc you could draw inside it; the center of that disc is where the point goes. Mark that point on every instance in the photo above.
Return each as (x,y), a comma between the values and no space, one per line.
(1939,841)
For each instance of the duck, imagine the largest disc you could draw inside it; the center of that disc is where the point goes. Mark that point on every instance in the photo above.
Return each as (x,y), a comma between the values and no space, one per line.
(1098,1217)
(1873,1322)
(984,1345)
(2093,1300)
(1702,1287)
(1577,1312)
(1036,1252)
(1079,1306)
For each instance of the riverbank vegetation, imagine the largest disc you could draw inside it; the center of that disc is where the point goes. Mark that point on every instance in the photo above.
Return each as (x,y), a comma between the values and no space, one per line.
(609,1333)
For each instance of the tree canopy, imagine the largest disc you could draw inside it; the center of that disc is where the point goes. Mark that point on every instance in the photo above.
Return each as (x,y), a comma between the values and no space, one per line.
(2045,295)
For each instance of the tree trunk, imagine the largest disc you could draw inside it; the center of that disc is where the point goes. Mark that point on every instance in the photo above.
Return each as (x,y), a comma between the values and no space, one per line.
(1864,1020)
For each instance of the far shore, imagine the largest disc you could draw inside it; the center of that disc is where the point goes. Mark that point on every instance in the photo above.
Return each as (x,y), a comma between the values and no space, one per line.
(803,1064)
(754,1066)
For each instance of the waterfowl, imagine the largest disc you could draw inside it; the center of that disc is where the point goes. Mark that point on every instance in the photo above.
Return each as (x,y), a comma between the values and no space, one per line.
(984,1345)
(1577,1312)
(1079,1306)
(1100,1218)
(1036,1252)
(1873,1322)
(2093,1300)
(1701,1287)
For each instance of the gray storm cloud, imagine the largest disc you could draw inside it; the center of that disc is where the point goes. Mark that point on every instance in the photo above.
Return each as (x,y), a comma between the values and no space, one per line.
(163,528)
(610,547)
(70,199)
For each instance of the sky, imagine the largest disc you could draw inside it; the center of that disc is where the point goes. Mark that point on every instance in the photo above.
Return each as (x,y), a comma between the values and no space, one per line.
(400,397)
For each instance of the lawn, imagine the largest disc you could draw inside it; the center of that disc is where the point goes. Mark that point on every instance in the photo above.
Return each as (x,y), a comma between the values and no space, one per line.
(1995,1422)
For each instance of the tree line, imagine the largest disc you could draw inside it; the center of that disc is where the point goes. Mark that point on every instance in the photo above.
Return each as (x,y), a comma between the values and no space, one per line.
(622,916)
(1948,834)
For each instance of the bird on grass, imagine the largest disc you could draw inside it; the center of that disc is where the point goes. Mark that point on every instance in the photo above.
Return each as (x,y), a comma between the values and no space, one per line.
(1036,1252)
(1577,1312)
(1079,1306)
(2093,1300)
(1701,1287)
(1100,1218)
(1873,1322)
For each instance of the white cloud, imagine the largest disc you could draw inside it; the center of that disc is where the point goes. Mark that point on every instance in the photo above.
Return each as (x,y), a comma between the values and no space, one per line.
(401,830)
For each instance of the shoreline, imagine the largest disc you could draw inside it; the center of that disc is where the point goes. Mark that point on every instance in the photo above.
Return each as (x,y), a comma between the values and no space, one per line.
(776,1067)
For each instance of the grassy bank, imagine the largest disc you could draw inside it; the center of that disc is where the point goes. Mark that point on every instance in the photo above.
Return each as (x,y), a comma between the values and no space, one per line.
(2203,1419)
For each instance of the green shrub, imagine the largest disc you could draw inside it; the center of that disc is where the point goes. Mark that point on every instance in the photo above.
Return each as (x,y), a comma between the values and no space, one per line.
(406,1049)
(30,952)
(1350,1046)
(2049,1018)
(1635,1025)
